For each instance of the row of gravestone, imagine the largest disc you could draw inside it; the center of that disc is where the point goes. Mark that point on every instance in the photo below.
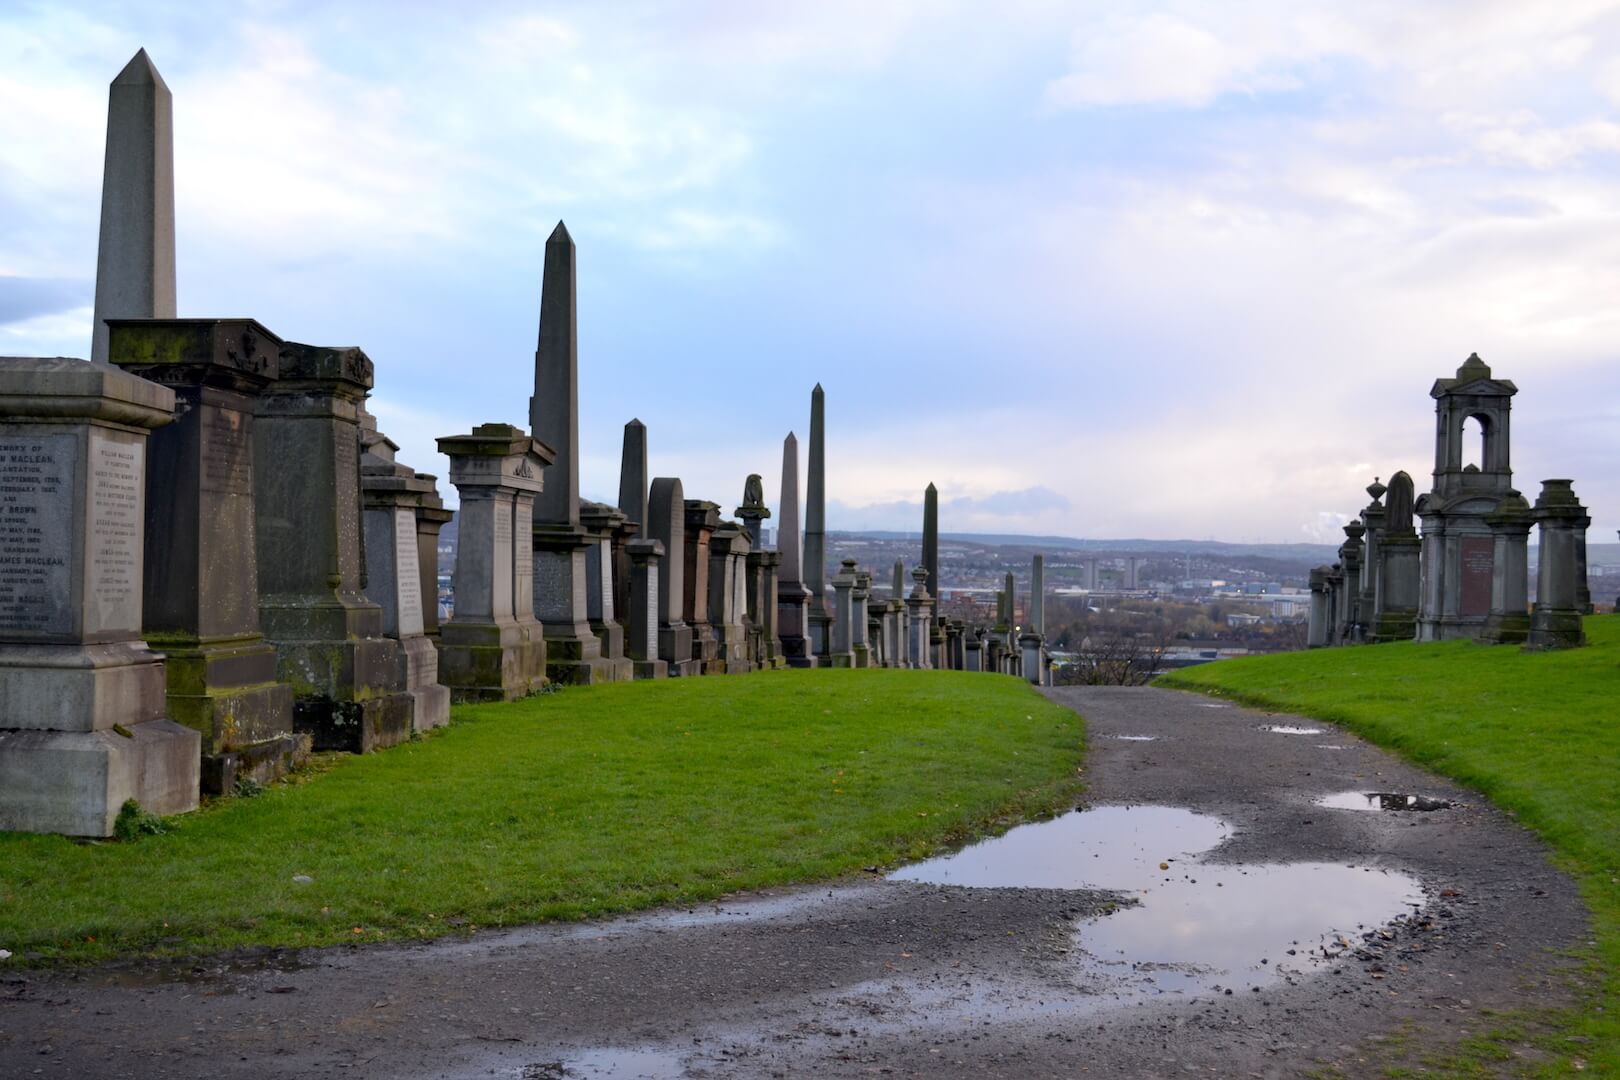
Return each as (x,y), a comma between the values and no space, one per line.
(211,561)
(1467,576)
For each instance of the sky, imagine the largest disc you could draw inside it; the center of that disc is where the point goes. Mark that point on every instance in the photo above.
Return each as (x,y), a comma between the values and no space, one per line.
(1097,270)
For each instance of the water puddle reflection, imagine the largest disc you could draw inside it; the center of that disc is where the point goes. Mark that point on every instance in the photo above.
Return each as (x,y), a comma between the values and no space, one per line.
(1382,800)
(608,1061)
(1196,927)
(1135,738)
(1289,729)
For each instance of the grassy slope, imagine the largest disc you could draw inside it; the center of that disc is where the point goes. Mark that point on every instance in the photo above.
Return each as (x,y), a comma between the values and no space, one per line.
(1539,733)
(581,803)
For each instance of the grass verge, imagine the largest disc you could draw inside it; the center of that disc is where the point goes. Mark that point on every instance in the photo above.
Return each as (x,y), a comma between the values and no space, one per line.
(582,803)
(1537,733)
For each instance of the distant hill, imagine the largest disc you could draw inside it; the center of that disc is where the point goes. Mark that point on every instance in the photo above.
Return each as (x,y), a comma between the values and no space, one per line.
(1320,553)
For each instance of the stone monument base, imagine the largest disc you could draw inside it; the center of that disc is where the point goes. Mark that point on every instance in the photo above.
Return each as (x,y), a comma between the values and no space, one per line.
(863,656)
(432,701)
(574,659)
(259,763)
(75,782)
(796,652)
(649,669)
(491,663)
(1505,629)
(675,650)
(1555,629)
(226,690)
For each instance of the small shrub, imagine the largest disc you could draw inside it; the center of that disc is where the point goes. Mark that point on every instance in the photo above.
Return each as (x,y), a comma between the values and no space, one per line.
(134,823)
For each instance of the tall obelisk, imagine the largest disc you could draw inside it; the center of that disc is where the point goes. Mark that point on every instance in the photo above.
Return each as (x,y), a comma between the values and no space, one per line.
(135,256)
(930,543)
(815,527)
(791,594)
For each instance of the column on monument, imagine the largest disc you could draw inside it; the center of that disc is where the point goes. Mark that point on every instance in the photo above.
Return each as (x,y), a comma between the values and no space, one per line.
(769,609)
(348,677)
(82,697)
(666,517)
(859,641)
(842,650)
(1351,622)
(200,594)
(602,525)
(431,517)
(633,505)
(1029,645)
(1583,585)
(641,624)
(974,651)
(1316,631)
(1556,621)
(918,607)
(1509,620)
(391,494)
(1037,596)
(930,544)
(702,518)
(1372,520)
(728,555)
(491,648)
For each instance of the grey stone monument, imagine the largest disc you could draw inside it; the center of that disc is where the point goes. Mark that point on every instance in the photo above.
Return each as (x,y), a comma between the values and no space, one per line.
(1510,525)
(82,725)
(843,630)
(1316,633)
(728,597)
(1398,580)
(763,568)
(974,651)
(1458,548)
(561,544)
(702,518)
(633,479)
(930,542)
(431,517)
(919,610)
(493,648)
(792,596)
(200,593)
(1372,521)
(604,527)
(641,628)
(348,678)
(817,614)
(1556,621)
(666,516)
(135,256)
(391,493)
(859,643)
(1350,617)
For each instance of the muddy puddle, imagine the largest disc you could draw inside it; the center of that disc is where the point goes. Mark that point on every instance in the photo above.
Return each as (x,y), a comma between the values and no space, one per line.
(1378,801)
(1290,729)
(622,1063)
(1135,738)
(1195,927)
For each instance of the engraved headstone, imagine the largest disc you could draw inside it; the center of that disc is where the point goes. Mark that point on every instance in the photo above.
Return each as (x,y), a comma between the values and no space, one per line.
(82,697)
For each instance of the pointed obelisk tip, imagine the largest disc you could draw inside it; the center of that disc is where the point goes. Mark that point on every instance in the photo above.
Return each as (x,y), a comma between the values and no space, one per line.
(634,423)
(818,389)
(140,71)
(559,235)
(932,490)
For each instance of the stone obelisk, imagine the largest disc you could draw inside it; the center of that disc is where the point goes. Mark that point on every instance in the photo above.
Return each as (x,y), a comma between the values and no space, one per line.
(135,257)
(930,541)
(561,545)
(815,529)
(791,593)
(633,476)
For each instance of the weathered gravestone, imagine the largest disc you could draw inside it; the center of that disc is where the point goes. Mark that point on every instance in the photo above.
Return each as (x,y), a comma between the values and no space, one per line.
(728,600)
(639,570)
(348,678)
(1398,579)
(701,519)
(82,725)
(763,568)
(391,494)
(200,595)
(492,648)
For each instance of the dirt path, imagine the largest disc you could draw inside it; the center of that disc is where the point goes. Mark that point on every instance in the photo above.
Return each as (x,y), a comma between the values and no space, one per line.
(892,978)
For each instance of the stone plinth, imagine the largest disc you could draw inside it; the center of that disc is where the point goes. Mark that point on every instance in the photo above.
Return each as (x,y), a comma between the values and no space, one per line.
(974,652)
(348,678)
(1030,646)
(1399,585)
(919,613)
(431,517)
(859,642)
(1556,621)
(201,596)
(1350,623)
(728,598)
(391,495)
(492,648)
(842,650)
(603,526)
(82,698)
(1316,632)
(792,596)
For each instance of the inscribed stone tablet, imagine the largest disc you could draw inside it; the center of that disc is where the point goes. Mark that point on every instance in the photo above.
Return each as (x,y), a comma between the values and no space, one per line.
(116,528)
(501,568)
(227,461)
(1476,555)
(408,577)
(36,533)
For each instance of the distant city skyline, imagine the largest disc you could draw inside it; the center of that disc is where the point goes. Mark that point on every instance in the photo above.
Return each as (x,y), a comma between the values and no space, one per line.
(1154,270)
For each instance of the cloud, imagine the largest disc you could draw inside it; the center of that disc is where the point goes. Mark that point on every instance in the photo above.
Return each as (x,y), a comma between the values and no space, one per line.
(29,298)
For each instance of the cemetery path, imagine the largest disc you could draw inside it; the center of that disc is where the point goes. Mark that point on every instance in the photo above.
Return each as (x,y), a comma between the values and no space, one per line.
(890,978)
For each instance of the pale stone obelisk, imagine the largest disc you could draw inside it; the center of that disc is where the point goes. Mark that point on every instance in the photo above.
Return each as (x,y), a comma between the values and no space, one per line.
(791,594)
(1037,595)
(815,527)
(135,256)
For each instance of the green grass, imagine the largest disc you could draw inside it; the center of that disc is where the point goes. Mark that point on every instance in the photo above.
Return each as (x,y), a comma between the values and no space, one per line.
(577,804)
(1537,733)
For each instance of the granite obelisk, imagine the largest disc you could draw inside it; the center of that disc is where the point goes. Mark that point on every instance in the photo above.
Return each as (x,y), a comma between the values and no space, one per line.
(791,594)
(135,256)
(633,476)
(930,541)
(819,614)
